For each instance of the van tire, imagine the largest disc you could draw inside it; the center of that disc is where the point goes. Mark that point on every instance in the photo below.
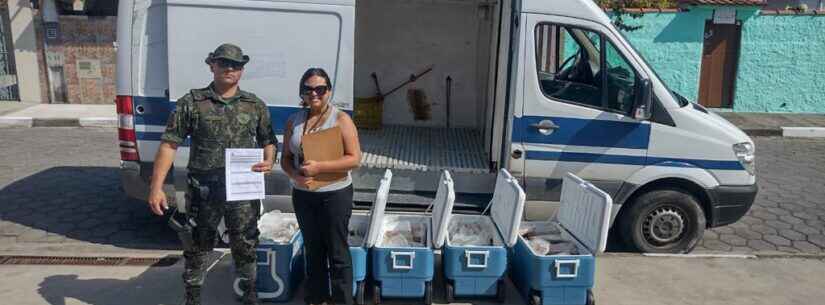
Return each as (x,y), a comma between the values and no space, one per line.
(668,220)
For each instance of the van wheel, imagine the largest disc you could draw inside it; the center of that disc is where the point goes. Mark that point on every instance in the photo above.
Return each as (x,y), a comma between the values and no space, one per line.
(663,221)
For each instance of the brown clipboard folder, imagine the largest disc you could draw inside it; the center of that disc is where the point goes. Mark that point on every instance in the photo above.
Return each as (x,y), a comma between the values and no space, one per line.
(325,145)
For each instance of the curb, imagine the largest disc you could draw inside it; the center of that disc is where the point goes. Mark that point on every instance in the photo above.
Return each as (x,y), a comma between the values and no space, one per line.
(16,121)
(787,132)
(803,132)
(103,122)
(763,132)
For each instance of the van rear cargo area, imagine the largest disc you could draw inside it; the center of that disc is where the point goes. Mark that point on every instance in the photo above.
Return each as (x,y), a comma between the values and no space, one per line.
(441,121)
(424,149)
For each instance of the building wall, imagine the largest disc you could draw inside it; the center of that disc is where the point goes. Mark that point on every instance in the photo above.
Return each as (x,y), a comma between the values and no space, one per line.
(781,62)
(672,43)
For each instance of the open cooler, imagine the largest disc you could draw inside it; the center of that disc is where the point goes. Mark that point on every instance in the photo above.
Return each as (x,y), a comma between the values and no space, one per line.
(280,258)
(402,257)
(475,254)
(362,237)
(553,262)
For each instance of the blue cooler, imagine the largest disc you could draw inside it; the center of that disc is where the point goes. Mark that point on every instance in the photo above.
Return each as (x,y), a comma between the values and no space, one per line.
(565,279)
(402,269)
(361,238)
(280,267)
(474,263)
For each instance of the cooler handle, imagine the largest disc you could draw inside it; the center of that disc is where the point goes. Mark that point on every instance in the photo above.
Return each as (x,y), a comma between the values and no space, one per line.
(396,255)
(469,254)
(573,263)
(266,253)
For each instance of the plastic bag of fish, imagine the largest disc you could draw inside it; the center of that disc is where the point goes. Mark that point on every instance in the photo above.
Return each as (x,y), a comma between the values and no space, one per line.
(546,239)
(405,233)
(277,227)
(469,234)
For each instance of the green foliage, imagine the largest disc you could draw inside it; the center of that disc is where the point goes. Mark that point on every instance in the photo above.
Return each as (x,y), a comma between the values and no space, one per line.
(619,9)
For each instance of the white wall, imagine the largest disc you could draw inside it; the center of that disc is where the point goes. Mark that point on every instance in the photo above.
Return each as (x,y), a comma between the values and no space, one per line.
(396,38)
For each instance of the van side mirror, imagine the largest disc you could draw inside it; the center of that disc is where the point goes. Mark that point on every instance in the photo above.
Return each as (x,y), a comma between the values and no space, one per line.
(644,101)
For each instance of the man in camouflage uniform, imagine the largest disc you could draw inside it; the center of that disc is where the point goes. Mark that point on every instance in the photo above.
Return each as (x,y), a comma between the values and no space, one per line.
(217,117)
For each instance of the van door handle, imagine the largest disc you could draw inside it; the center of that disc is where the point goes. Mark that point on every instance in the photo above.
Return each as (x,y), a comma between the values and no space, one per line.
(545,127)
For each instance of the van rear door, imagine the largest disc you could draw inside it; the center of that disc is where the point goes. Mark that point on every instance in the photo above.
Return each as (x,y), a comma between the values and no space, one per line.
(282,38)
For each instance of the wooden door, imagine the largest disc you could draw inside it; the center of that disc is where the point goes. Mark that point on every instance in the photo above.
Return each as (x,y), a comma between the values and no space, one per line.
(720,58)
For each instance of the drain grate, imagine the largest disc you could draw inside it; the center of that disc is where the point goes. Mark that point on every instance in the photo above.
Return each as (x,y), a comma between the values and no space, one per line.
(89,261)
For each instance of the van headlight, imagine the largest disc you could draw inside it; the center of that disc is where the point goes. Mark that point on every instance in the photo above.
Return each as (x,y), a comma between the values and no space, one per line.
(745,153)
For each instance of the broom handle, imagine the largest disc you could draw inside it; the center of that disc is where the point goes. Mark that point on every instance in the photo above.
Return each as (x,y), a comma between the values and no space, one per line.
(413,78)
(377,87)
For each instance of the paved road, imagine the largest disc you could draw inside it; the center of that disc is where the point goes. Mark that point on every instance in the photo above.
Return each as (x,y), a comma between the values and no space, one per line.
(60,186)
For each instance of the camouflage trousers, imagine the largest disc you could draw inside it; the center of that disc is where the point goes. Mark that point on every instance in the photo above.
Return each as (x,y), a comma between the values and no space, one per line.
(207,205)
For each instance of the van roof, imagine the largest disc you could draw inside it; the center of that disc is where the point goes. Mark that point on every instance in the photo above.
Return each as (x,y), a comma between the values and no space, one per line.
(582,9)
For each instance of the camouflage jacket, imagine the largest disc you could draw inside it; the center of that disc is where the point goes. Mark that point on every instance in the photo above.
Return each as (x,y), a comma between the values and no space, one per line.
(215,123)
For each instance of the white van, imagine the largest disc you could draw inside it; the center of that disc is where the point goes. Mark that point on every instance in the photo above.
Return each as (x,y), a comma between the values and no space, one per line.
(538,87)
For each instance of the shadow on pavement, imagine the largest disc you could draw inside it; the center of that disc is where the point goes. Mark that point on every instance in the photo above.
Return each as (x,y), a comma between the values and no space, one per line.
(86,204)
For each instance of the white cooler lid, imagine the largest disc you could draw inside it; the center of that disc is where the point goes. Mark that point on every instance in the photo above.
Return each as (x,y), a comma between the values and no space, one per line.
(507,206)
(377,210)
(442,208)
(585,212)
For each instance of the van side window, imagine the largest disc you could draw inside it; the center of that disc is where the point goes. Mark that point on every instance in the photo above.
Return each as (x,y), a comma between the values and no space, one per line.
(570,64)
(621,81)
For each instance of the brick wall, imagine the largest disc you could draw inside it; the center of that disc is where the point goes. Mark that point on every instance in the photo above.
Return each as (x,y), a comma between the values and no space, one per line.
(88,38)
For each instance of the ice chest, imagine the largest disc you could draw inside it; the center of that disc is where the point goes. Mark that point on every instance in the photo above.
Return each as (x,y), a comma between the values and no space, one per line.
(280,267)
(584,219)
(405,270)
(475,263)
(361,238)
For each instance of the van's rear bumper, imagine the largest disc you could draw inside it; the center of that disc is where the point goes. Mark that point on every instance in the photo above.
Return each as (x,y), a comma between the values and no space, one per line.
(135,177)
(730,203)
(132,183)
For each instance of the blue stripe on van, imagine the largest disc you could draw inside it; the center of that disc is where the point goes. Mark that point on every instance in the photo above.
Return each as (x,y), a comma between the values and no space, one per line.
(156,112)
(633,160)
(584,132)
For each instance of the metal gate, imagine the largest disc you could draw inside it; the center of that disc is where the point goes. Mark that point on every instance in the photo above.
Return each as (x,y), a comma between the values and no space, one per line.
(8,75)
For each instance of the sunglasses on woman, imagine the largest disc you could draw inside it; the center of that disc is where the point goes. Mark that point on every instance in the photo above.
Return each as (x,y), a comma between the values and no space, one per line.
(319,90)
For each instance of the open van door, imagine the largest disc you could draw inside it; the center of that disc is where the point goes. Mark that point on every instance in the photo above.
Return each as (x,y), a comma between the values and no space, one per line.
(282,38)
(576,109)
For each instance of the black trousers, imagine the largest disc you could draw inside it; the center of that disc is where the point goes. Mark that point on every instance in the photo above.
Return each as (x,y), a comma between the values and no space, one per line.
(324,221)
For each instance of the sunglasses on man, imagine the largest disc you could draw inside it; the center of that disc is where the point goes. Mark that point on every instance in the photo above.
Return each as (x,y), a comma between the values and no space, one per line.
(226,64)
(319,90)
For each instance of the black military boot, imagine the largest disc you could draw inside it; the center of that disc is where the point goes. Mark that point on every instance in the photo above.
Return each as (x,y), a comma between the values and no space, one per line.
(250,294)
(192,295)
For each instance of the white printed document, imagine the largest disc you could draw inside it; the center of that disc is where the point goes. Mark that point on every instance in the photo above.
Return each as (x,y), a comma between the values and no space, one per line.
(241,182)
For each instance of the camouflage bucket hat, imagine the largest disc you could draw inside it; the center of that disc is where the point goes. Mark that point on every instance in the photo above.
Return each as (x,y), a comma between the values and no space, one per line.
(228,51)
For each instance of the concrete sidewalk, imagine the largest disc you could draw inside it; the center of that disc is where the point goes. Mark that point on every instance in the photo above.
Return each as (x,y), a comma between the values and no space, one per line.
(621,280)
(17,114)
(57,115)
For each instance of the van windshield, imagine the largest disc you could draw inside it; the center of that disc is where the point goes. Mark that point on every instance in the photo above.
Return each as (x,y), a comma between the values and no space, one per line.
(675,96)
